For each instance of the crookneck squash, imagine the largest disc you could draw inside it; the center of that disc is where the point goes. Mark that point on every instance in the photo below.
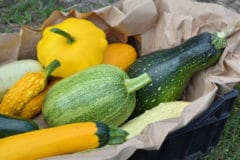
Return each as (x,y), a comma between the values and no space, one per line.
(25,89)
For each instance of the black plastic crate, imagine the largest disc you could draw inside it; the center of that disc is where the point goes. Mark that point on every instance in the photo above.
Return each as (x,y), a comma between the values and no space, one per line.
(198,138)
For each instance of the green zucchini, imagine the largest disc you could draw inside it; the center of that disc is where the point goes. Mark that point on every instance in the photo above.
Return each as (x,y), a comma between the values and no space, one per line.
(171,69)
(101,93)
(13,125)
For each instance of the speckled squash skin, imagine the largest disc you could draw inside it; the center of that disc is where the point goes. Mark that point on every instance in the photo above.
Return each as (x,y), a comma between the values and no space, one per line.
(171,69)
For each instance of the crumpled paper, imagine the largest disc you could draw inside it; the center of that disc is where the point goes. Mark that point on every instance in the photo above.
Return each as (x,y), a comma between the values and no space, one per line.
(157,24)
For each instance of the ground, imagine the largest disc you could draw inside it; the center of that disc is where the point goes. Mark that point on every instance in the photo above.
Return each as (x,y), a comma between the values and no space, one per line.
(15,13)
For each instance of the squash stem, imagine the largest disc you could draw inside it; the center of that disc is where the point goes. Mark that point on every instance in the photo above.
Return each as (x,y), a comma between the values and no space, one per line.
(219,39)
(51,67)
(69,38)
(137,83)
(117,135)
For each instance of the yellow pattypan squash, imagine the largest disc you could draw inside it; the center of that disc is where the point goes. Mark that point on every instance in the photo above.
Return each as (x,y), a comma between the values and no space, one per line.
(76,43)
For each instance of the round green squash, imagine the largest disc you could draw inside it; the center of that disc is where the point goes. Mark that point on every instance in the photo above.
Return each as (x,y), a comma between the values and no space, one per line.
(101,93)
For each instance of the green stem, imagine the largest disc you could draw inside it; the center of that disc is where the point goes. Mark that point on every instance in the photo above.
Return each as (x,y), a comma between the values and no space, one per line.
(137,83)
(69,38)
(117,135)
(219,39)
(51,67)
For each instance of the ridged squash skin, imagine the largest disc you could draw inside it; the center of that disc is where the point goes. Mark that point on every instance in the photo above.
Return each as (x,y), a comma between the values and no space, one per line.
(11,72)
(171,70)
(95,94)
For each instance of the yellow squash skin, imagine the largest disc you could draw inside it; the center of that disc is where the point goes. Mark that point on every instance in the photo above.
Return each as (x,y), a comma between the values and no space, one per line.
(121,55)
(34,106)
(30,85)
(49,142)
(86,48)
(25,89)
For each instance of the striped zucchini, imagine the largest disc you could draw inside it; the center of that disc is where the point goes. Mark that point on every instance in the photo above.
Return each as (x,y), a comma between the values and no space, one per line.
(101,93)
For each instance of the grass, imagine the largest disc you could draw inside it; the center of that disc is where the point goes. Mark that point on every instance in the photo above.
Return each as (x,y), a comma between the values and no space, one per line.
(33,12)
(229,144)
(15,13)
(24,12)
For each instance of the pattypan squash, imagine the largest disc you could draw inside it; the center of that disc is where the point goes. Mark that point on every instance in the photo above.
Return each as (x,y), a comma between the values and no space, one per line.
(76,43)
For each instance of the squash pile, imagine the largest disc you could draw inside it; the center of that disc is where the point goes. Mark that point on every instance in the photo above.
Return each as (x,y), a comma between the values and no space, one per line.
(92,92)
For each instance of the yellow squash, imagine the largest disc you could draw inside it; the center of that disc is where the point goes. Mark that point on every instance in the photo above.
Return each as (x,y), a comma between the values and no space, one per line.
(59,140)
(76,43)
(34,106)
(26,88)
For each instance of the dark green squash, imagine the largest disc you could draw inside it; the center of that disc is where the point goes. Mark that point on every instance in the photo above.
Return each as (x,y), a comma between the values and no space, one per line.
(13,125)
(171,69)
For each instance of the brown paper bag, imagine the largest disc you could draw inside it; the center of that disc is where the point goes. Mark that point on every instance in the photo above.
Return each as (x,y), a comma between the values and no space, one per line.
(158,24)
